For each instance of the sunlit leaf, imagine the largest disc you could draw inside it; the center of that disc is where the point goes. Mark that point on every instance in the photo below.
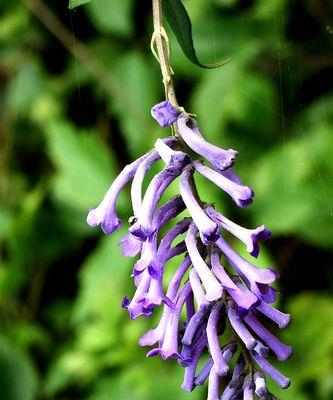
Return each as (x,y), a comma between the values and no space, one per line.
(292,187)
(84,169)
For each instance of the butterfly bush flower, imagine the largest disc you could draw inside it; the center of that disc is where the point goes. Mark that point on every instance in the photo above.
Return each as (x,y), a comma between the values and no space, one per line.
(217,303)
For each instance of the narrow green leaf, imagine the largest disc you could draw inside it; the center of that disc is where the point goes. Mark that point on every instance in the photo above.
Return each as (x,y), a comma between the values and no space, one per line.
(180,23)
(76,3)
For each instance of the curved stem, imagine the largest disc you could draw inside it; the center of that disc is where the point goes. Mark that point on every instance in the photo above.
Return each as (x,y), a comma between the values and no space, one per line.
(160,38)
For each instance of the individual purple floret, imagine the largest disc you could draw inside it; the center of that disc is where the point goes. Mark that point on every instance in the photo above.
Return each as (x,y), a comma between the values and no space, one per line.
(260,384)
(250,237)
(213,287)
(242,195)
(130,246)
(268,368)
(143,228)
(208,229)
(219,158)
(282,351)
(244,299)
(221,368)
(239,327)
(165,113)
(255,278)
(216,304)
(105,214)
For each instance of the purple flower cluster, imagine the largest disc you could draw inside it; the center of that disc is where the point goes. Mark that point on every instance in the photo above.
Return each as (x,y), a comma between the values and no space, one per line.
(217,303)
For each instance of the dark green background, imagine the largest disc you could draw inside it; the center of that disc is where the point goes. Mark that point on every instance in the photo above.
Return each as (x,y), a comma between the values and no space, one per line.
(68,123)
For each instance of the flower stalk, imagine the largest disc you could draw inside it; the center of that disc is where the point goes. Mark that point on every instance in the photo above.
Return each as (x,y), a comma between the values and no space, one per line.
(163,52)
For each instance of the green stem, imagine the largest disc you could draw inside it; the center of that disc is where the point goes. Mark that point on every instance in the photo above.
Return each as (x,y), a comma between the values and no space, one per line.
(161,39)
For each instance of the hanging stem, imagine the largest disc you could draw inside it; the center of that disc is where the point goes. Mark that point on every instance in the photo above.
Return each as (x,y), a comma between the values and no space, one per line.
(161,40)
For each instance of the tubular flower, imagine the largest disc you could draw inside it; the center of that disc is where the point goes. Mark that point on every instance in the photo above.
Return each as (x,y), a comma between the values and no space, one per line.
(217,303)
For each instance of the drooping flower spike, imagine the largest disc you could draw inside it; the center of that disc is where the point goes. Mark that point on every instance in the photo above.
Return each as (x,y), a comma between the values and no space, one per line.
(214,287)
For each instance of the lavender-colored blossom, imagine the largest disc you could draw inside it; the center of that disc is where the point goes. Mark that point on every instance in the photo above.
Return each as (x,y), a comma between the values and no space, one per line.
(231,390)
(208,229)
(155,296)
(280,318)
(143,228)
(202,313)
(238,326)
(250,237)
(130,246)
(219,158)
(204,373)
(220,366)
(167,211)
(257,279)
(155,335)
(242,195)
(189,376)
(169,348)
(214,289)
(105,214)
(165,113)
(165,243)
(282,351)
(268,368)
(139,176)
(214,384)
(261,349)
(211,284)
(245,300)
(248,388)
(148,257)
(260,384)
(176,159)
(135,306)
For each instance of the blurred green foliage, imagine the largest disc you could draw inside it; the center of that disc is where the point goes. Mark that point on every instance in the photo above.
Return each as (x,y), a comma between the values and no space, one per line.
(69,121)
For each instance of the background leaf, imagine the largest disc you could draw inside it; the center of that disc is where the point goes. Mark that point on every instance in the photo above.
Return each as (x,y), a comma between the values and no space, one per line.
(112,16)
(17,376)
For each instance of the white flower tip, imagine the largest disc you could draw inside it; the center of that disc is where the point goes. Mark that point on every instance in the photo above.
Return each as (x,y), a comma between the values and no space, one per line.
(287,353)
(214,293)
(251,344)
(93,217)
(284,322)
(286,383)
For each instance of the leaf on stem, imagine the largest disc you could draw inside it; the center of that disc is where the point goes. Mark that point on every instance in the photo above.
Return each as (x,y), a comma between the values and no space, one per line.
(76,3)
(180,23)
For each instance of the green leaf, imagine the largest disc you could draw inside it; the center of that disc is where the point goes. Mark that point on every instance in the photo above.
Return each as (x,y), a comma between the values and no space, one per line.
(112,16)
(83,166)
(138,77)
(103,279)
(25,88)
(140,381)
(76,3)
(292,185)
(180,23)
(311,335)
(17,376)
